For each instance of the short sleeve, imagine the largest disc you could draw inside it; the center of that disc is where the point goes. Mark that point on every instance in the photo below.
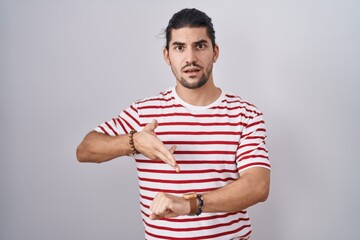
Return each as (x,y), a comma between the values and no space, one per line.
(252,151)
(122,124)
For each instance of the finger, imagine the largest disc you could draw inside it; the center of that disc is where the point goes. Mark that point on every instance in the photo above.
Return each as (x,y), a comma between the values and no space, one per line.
(157,209)
(172,149)
(168,158)
(172,159)
(151,126)
(166,214)
(170,215)
(155,123)
(153,216)
(156,204)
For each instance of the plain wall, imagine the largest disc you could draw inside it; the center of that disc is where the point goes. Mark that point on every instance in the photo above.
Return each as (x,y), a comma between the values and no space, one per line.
(66,66)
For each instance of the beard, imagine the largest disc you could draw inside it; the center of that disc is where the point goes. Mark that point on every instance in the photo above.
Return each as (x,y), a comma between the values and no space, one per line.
(194,85)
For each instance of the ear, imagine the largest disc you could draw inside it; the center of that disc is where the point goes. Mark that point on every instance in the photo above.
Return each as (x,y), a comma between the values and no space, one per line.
(216,53)
(166,56)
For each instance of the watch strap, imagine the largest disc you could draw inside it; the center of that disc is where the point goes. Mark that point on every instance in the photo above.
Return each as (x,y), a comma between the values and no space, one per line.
(193,199)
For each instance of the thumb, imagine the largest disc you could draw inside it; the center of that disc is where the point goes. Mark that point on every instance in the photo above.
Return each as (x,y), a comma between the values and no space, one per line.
(151,126)
(153,216)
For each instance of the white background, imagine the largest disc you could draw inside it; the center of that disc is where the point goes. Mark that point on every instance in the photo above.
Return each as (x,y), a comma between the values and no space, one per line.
(66,66)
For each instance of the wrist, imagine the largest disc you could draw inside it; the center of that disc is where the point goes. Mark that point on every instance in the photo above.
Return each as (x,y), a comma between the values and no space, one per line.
(196,203)
(132,142)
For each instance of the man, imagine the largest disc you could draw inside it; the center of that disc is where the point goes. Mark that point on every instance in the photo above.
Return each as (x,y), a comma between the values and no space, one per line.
(200,153)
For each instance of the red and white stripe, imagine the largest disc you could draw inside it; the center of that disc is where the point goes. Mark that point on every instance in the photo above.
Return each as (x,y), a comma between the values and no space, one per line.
(214,143)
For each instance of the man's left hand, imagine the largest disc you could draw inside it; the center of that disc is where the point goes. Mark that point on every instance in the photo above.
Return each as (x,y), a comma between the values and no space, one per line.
(168,206)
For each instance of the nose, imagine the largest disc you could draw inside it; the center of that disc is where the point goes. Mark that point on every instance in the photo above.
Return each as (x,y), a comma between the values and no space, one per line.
(190,56)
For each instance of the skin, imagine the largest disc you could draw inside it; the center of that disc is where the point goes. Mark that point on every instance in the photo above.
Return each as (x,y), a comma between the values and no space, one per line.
(191,57)
(97,147)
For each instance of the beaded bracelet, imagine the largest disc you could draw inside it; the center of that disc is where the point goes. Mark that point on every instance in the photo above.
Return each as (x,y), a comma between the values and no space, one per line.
(131,142)
(201,204)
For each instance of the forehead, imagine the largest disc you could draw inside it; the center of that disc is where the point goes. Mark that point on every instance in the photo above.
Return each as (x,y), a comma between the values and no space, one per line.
(189,35)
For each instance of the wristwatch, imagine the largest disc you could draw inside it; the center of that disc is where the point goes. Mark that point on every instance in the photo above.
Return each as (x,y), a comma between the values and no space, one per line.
(196,203)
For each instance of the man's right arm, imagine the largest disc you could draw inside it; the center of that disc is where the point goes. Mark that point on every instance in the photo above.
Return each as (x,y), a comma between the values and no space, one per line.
(98,147)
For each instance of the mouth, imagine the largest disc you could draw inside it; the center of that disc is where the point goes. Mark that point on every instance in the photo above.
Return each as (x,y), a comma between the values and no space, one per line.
(191,70)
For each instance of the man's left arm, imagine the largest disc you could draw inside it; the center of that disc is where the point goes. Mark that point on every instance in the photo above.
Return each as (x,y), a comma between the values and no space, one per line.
(251,188)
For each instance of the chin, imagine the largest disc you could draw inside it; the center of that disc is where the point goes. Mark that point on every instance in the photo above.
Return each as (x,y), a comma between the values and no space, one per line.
(193,84)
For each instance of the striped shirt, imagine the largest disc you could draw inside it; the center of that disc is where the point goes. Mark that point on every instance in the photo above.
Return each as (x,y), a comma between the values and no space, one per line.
(215,143)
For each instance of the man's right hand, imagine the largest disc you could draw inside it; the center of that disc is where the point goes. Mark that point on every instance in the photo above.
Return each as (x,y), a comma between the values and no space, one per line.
(148,144)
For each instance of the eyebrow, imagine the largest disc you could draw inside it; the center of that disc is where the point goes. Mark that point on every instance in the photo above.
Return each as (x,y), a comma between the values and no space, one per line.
(178,44)
(200,41)
(195,43)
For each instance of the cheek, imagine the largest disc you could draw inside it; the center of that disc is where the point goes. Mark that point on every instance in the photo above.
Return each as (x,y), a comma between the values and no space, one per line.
(207,59)
(176,63)
(209,63)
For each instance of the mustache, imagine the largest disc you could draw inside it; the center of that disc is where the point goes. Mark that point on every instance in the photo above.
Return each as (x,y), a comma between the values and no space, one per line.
(191,65)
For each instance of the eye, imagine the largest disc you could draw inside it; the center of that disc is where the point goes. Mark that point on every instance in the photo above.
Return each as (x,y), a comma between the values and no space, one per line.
(201,46)
(179,48)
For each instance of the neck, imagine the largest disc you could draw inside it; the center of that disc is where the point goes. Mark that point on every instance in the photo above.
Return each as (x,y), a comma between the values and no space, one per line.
(202,96)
